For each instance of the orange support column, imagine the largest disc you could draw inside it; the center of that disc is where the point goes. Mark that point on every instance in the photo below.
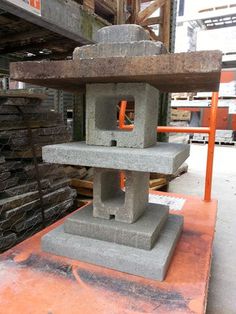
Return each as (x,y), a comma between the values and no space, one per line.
(211,130)
(123,106)
(211,148)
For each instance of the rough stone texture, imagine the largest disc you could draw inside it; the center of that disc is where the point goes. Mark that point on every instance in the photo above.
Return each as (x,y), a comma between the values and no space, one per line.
(150,264)
(24,188)
(16,201)
(55,211)
(4,176)
(110,202)
(48,199)
(121,34)
(101,114)
(10,166)
(139,48)
(20,205)
(7,240)
(9,183)
(162,158)
(141,234)
(177,72)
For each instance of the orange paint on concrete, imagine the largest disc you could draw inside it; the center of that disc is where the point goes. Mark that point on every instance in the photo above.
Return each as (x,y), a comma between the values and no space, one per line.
(32,281)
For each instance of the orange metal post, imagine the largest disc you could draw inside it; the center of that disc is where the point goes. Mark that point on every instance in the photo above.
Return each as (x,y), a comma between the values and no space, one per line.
(174,129)
(211,148)
(122,180)
(211,130)
(122,113)
(162,129)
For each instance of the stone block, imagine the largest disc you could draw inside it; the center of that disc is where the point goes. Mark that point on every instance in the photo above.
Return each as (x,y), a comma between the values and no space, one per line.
(7,241)
(101,114)
(132,49)
(151,264)
(121,34)
(49,213)
(142,234)
(16,201)
(110,202)
(10,182)
(25,188)
(10,166)
(163,158)
(4,176)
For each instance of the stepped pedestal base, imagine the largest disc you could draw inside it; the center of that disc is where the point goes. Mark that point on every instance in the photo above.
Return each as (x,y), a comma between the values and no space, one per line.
(151,264)
(142,234)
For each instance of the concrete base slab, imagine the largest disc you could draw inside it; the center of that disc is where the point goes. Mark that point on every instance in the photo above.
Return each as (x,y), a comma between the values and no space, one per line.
(151,264)
(142,234)
(162,158)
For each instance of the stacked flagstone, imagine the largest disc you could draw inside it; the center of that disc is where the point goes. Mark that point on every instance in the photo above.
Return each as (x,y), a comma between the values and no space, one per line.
(20,204)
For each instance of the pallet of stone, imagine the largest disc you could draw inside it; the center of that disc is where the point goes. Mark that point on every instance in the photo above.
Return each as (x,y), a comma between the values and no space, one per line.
(17,114)
(20,203)
(30,95)
(81,202)
(8,239)
(180,115)
(186,96)
(21,213)
(83,187)
(17,144)
(180,171)
(158,184)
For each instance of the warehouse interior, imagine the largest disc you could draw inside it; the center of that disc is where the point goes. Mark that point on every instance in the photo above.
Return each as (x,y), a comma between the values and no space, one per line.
(117,153)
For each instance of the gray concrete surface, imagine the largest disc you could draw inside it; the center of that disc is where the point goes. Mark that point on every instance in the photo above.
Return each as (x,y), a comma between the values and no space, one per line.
(151,264)
(222,288)
(162,157)
(121,33)
(137,48)
(101,114)
(141,234)
(110,202)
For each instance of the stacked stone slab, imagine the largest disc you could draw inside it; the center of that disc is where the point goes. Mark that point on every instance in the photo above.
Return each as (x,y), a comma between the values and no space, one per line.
(20,204)
(120,230)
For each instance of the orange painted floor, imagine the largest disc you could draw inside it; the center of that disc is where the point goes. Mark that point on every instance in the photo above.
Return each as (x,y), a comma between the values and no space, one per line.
(32,281)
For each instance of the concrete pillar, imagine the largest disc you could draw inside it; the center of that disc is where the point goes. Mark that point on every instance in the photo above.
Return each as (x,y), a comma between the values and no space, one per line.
(101,114)
(110,202)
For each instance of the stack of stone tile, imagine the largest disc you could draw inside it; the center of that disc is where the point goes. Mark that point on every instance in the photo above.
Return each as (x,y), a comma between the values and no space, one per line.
(20,204)
(121,229)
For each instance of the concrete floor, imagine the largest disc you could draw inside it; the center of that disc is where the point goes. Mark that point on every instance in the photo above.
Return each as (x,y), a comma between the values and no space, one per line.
(222,289)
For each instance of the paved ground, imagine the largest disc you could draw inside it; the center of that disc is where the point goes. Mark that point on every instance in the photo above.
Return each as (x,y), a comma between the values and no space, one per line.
(222,290)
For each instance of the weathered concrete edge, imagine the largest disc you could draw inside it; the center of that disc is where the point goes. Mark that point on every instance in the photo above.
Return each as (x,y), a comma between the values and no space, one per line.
(99,158)
(149,264)
(141,234)
(59,69)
